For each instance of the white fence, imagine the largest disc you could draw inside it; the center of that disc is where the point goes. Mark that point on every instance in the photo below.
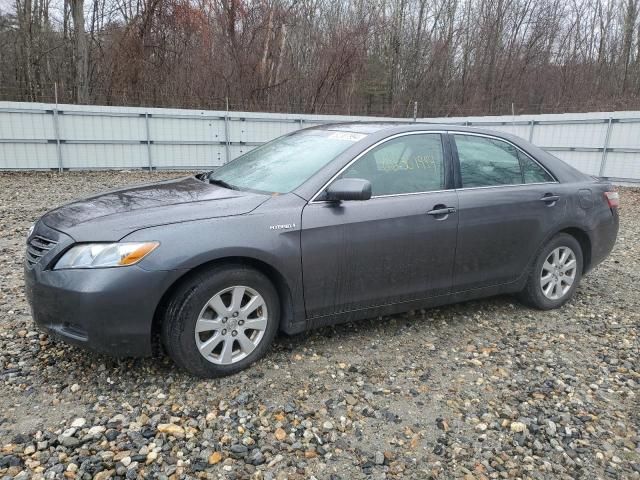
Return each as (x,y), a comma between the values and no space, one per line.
(46,136)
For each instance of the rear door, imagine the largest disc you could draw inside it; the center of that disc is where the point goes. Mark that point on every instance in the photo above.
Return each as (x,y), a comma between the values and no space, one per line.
(508,203)
(397,246)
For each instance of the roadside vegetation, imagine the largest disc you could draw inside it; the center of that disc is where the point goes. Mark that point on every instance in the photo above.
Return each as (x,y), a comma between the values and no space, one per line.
(379,57)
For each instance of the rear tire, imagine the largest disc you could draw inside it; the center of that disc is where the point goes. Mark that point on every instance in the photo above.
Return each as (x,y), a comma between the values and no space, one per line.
(555,274)
(221,320)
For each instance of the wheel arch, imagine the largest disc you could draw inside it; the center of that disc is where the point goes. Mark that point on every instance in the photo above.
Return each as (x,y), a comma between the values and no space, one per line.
(585,244)
(273,274)
(581,236)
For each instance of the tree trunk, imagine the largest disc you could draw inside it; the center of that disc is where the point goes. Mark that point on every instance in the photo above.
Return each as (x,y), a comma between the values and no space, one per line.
(25,21)
(265,49)
(80,52)
(283,40)
(631,15)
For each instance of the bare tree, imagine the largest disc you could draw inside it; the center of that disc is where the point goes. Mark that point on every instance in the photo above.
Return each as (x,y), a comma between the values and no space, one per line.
(80,51)
(349,56)
(629,30)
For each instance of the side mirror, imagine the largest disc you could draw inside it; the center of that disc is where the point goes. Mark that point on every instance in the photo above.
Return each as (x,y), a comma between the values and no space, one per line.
(349,189)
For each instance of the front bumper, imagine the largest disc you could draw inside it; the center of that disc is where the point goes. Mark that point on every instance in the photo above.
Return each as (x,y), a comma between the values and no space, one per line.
(108,310)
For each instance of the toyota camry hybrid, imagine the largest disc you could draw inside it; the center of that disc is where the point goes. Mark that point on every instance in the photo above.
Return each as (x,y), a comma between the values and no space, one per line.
(324,225)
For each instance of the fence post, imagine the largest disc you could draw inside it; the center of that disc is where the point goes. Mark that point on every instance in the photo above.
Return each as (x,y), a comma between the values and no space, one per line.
(146,123)
(603,161)
(227,153)
(533,124)
(415,111)
(301,123)
(56,132)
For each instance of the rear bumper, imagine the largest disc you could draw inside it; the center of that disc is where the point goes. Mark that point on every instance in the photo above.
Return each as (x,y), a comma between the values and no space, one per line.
(603,238)
(109,311)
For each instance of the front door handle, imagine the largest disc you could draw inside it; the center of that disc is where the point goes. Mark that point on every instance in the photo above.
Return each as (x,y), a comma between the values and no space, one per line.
(550,199)
(441,211)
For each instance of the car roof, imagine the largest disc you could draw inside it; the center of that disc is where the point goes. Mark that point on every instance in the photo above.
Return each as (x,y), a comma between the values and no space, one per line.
(387,128)
(370,127)
(360,127)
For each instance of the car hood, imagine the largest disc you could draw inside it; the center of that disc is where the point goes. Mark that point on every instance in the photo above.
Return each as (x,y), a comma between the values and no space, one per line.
(114,214)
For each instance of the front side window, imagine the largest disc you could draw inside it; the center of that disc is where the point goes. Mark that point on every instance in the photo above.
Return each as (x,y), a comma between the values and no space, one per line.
(284,164)
(487,162)
(407,164)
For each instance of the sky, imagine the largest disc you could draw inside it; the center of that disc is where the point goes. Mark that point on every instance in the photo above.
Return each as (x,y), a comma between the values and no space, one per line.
(6,6)
(55,9)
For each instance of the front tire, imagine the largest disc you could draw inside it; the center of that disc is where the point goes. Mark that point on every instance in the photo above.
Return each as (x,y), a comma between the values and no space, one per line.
(555,275)
(221,320)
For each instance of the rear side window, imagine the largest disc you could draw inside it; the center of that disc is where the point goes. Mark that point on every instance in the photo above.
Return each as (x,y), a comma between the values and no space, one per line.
(487,162)
(532,172)
(407,164)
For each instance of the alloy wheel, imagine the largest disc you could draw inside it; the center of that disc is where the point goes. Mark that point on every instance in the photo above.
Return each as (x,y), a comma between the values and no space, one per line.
(558,273)
(231,325)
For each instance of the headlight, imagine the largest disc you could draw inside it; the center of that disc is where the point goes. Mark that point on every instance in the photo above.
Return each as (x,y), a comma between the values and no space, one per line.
(99,255)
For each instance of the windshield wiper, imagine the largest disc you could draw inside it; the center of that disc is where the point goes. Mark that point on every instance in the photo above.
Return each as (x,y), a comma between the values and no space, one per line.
(221,183)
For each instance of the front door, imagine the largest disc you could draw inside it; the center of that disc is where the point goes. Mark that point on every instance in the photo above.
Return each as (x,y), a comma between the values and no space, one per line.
(396,247)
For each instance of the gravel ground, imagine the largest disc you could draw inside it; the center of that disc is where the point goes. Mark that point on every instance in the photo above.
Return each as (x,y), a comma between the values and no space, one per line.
(485,389)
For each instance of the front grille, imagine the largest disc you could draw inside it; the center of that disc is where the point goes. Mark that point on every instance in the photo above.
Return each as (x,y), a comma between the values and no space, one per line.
(37,246)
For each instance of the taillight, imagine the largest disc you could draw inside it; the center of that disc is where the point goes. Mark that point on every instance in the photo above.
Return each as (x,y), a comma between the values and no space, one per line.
(613,199)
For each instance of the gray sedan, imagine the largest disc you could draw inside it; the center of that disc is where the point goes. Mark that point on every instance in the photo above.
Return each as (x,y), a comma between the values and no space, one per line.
(324,225)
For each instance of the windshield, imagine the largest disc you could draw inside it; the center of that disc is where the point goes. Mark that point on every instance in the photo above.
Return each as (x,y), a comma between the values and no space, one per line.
(285,163)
